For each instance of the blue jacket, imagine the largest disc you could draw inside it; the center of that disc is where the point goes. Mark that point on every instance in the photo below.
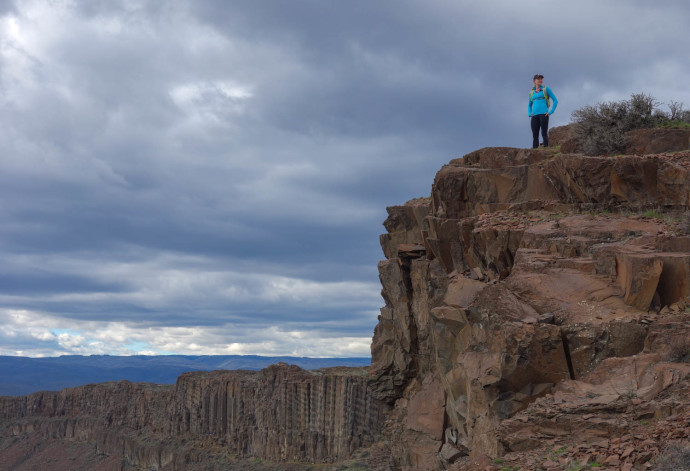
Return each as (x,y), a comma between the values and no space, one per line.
(538,106)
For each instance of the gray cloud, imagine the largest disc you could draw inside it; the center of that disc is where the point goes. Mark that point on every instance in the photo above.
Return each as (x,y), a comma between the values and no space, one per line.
(217,171)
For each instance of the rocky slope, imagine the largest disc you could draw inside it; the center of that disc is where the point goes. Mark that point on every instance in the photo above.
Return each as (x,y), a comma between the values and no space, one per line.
(536,312)
(280,414)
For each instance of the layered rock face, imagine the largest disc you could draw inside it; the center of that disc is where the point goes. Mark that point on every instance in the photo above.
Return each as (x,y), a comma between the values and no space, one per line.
(531,275)
(281,413)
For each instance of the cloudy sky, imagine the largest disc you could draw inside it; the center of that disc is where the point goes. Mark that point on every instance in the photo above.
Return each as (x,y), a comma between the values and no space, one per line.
(210,177)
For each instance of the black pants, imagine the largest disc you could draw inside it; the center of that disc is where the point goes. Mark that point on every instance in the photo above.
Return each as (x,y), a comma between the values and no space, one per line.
(540,121)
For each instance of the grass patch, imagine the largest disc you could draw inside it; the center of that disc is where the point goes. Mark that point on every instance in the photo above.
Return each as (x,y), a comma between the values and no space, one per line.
(652,214)
(553,456)
(669,219)
(673,124)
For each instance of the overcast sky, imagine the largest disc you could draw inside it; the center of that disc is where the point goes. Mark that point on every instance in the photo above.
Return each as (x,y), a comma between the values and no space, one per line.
(210,177)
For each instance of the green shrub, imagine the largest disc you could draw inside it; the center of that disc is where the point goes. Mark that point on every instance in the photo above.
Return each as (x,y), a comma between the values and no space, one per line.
(652,214)
(675,124)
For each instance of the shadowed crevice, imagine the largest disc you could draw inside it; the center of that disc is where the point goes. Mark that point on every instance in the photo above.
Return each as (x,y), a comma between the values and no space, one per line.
(566,350)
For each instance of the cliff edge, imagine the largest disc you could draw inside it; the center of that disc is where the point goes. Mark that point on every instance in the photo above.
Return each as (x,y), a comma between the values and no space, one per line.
(537,313)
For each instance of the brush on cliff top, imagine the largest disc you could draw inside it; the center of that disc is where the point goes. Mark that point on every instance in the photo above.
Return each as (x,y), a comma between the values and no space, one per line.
(602,129)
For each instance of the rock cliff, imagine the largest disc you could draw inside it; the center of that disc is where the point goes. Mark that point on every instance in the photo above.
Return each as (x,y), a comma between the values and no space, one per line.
(282,413)
(532,291)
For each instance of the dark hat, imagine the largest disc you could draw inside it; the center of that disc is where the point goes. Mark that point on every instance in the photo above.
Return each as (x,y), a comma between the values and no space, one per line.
(538,76)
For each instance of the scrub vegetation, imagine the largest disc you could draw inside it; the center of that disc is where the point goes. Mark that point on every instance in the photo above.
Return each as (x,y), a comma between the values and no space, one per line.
(601,129)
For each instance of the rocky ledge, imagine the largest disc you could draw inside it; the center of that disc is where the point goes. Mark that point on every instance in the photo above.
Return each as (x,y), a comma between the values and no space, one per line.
(536,313)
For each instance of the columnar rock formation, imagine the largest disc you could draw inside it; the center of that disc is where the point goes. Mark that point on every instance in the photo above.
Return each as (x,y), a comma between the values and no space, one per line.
(281,413)
(525,275)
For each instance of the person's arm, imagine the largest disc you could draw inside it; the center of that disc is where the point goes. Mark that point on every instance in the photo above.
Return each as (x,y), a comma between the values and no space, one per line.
(529,107)
(553,97)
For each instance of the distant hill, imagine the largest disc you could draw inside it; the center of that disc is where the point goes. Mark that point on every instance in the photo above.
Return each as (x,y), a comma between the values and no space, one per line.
(24,375)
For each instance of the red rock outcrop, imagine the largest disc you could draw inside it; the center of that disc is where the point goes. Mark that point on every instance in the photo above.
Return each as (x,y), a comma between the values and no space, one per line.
(529,276)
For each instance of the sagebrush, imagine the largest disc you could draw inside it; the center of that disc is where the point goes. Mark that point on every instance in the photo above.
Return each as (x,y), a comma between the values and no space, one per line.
(601,129)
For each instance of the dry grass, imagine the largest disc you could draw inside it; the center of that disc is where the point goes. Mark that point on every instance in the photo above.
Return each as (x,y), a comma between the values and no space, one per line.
(675,457)
(685,223)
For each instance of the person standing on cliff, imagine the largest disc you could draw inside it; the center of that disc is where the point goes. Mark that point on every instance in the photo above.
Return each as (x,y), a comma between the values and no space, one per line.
(538,109)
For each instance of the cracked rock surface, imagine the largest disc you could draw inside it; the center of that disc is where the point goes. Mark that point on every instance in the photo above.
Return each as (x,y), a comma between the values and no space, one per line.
(544,297)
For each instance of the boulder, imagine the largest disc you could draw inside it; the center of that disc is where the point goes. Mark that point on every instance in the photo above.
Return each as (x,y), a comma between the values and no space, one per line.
(658,140)
(558,135)
(638,275)
(425,409)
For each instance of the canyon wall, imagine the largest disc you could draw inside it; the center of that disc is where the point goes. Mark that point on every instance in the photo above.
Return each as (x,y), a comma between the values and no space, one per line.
(280,413)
